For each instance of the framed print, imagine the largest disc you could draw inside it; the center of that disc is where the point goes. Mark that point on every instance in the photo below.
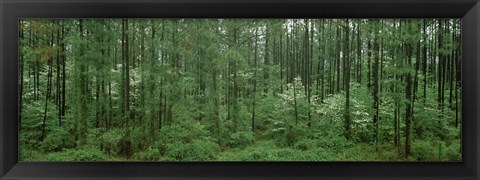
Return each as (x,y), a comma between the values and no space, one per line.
(239,89)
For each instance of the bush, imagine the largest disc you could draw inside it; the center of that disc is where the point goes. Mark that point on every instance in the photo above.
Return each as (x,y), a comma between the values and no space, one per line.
(291,135)
(268,151)
(268,111)
(240,139)
(92,136)
(184,140)
(124,146)
(287,135)
(83,154)
(333,142)
(138,140)
(306,144)
(56,140)
(359,152)
(30,139)
(260,150)
(255,154)
(198,150)
(115,142)
(427,150)
(26,154)
(389,156)
(150,154)
(320,154)
(90,154)
(453,152)
(110,139)
(182,131)
(289,154)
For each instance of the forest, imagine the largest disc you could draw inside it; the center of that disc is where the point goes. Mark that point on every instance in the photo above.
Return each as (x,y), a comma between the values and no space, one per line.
(240,90)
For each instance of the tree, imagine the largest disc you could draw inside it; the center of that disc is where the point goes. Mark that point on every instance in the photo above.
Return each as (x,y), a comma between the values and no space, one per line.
(221,89)
(408,95)
(255,55)
(82,84)
(376,102)
(347,81)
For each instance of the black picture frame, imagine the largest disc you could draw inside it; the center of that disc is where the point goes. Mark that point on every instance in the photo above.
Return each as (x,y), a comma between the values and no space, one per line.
(12,10)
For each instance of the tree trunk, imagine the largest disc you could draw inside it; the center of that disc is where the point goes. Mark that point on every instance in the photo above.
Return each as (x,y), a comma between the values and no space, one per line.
(49,87)
(347,82)
(254,81)
(375,82)
(20,93)
(408,97)
(424,49)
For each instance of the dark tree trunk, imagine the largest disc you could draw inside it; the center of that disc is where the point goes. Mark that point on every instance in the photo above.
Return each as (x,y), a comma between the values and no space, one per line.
(359,54)
(440,67)
(49,87)
(376,49)
(20,93)
(338,60)
(58,97)
(408,96)
(64,77)
(424,57)
(347,82)
(254,81)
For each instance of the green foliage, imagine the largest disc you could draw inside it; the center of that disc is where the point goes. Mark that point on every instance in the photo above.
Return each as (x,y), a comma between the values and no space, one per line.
(197,150)
(359,152)
(56,140)
(422,150)
(109,141)
(82,154)
(27,154)
(268,112)
(334,142)
(234,89)
(268,151)
(182,141)
(152,153)
(240,139)
(436,150)
(453,152)
(295,133)
(182,131)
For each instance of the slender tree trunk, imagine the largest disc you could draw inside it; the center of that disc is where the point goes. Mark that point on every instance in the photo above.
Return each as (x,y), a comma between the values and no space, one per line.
(376,49)
(369,59)
(254,81)
(308,58)
(20,93)
(359,54)
(97,101)
(64,77)
(458,62)
(424,49)
(153,126)
(415,81)
(408,96)
(347,82)
(265,61)
(49,87)
(451,66)
(338,59)
(57,72)
(440,67)
(82,100)
(127,75)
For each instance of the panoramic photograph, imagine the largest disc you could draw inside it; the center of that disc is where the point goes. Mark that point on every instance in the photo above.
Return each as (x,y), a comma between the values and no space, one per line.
(180,90)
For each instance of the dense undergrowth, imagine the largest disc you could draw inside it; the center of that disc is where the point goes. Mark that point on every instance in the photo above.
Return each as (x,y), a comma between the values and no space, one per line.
(276,137)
